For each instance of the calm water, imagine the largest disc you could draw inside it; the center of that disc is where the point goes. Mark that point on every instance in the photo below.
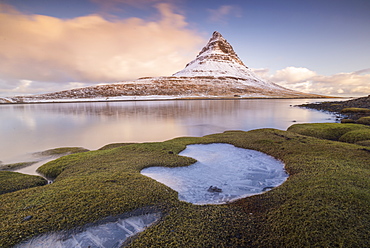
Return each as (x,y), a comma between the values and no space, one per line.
(25,129)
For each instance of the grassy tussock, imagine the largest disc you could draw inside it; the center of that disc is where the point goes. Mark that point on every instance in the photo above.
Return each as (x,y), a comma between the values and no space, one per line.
(13,181)
(324,203)
(62,150)
(355,136)
(114,145)
(347,121)
(15,166)
(363,143)
(355,110)
(330,131)
(364,120)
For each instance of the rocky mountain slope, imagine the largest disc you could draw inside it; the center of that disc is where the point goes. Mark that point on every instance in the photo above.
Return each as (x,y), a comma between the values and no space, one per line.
(216,72)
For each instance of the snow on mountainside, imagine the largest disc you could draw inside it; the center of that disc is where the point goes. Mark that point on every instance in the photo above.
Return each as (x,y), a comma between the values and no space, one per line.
(216,72)
(216,59)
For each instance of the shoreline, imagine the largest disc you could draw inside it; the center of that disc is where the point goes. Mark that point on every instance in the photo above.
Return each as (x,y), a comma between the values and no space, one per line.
(134,99)
(352,109)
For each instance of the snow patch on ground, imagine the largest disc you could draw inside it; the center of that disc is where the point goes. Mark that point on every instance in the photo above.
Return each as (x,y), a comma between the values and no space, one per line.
(237,172)
(216,69)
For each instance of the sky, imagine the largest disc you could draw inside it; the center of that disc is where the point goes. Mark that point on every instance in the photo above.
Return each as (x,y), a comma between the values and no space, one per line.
(313,46)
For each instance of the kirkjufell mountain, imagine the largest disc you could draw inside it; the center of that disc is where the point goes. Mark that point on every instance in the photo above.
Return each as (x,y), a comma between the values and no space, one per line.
(217,59)
(216,72)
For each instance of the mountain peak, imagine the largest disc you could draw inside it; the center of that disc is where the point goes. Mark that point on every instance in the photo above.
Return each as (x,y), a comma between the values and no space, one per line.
(216,36)
(217,58)
(217,46)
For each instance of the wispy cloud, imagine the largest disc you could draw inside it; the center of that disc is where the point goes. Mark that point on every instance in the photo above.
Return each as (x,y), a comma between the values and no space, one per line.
(129,2)
(111,5)
(221,14)
(302,79)
(88,49)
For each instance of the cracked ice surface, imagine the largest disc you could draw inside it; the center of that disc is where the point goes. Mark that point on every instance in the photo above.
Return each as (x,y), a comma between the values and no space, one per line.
(107,235)
(236,171)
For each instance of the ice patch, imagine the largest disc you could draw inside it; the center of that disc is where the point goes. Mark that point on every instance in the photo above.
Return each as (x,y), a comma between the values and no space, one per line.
(223,173)
(107,235)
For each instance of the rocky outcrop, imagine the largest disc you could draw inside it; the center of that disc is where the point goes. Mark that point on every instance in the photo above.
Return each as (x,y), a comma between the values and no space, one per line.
(338,107)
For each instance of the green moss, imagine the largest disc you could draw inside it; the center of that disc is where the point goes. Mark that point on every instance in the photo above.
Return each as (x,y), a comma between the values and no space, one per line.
(15,166)
(355,110)
(324,203)
(347,121)
(355,136)
(114,145)
(330,131)
(320,205)
(63,150)
(364,120)
(13,181)
(363,143)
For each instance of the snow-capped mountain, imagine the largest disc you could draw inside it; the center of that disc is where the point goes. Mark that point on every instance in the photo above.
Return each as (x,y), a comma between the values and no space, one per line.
(217,72)
(216,59)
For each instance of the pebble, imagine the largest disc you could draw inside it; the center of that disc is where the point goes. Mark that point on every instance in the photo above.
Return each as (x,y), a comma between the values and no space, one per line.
(27,218)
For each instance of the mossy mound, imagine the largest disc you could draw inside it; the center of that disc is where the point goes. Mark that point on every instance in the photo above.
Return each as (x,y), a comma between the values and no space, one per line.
(330,131)
(364,120)
(363,143)
(15,166)
(355,110)
(13,181)
(114,145)
(355,136)
(62,151)
(324,203)
(347,121)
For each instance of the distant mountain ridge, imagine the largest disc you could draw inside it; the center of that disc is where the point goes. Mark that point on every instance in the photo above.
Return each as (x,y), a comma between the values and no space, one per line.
(216,72)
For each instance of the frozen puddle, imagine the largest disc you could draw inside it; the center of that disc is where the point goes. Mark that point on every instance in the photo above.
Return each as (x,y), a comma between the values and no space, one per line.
(111,234)
(223,173)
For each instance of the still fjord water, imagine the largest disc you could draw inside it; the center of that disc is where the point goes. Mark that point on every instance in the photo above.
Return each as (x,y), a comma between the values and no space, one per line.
(29,128)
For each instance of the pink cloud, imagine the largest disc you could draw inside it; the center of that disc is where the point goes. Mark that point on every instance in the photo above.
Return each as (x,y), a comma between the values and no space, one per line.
(221,14)
(93,49)
(302,79)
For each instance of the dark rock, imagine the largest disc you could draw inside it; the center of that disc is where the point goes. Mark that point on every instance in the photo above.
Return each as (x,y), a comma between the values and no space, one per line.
(214,189)
(27,218)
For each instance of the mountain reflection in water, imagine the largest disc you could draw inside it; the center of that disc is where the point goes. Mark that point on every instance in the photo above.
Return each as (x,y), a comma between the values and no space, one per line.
(29,128)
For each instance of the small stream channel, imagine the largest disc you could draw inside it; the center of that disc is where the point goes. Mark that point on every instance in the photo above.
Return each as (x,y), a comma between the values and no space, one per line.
(109,234)
(32,169)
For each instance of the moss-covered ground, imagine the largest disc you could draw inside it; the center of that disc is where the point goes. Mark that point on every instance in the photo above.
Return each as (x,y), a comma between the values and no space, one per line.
(15,166)
(355,110)
(13,181)
(324,203)
(62,151)
(332,131)
(364,120)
